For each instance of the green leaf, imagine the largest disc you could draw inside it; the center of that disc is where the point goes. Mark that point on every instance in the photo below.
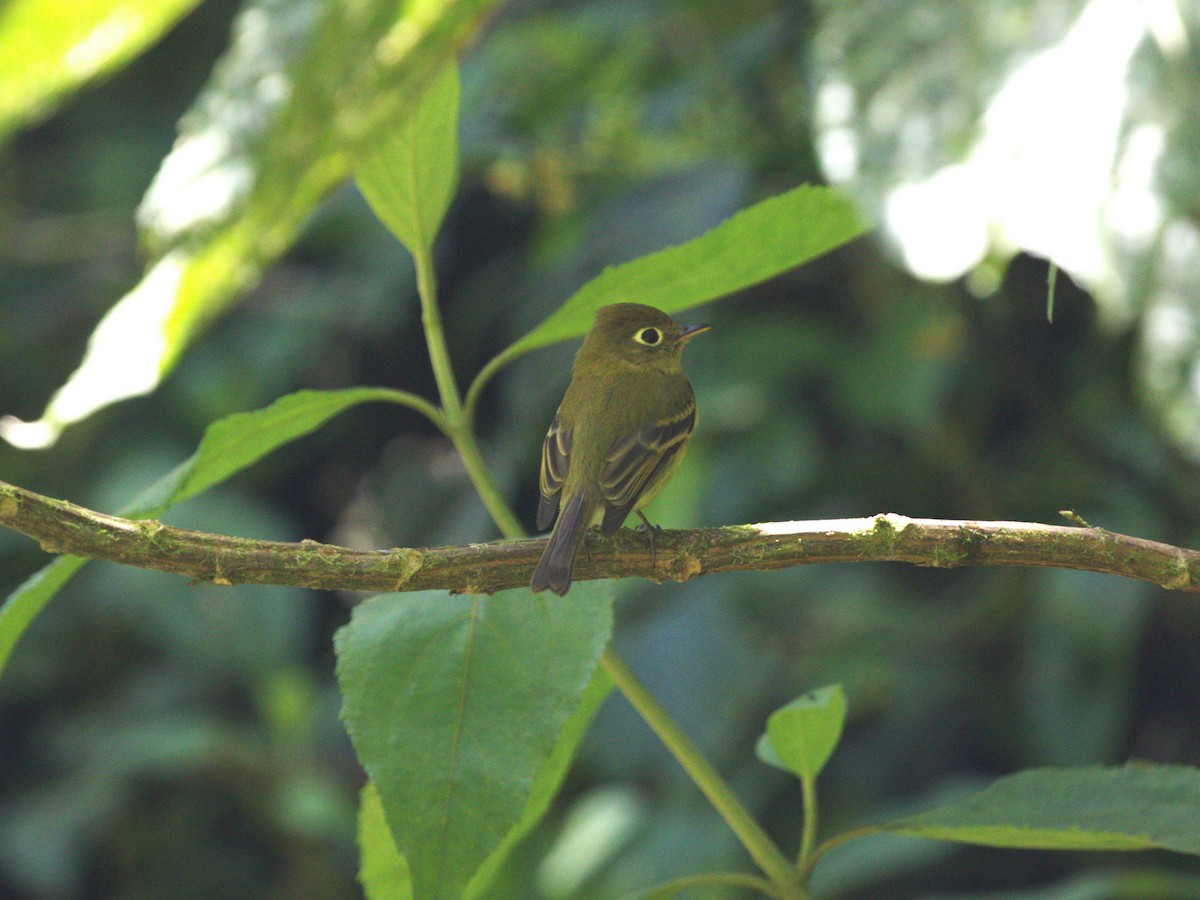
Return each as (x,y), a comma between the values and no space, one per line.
(228,446)
(242,439)
(304,87)
(751,246)
(802,736)
(454,704)
(30,598)
(549,776)
(382,871)
(51,47)
(1134,807)
(408,176)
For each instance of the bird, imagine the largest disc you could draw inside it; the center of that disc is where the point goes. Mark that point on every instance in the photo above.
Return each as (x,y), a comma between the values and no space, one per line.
(618,435)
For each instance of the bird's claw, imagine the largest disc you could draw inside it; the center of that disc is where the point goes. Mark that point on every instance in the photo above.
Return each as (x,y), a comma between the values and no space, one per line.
(650,531)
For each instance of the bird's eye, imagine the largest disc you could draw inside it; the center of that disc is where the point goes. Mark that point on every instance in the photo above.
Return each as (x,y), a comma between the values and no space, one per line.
(648,336)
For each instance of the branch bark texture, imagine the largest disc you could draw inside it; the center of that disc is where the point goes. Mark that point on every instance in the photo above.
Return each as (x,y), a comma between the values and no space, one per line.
(63,527)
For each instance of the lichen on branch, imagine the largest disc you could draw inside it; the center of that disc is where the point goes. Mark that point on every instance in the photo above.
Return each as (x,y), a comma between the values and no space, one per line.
(63,527)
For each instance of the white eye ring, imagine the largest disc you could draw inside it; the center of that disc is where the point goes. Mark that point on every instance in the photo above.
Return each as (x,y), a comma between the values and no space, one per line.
(650,337)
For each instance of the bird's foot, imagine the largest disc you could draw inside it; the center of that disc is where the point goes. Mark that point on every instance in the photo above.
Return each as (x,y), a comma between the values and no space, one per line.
(650,531)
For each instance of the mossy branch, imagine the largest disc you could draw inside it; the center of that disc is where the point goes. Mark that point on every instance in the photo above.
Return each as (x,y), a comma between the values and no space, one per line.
(63,527)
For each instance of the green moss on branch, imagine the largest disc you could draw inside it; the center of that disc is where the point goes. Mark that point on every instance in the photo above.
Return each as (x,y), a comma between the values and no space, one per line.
(63,527)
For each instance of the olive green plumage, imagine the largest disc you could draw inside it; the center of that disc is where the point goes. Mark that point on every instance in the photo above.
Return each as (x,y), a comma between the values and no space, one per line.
(619,433)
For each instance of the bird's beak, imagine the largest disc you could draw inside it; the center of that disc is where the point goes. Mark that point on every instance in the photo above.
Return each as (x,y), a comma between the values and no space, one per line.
(690,331)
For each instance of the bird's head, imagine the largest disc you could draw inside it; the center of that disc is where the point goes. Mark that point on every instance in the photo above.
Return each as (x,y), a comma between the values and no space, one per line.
(639,335)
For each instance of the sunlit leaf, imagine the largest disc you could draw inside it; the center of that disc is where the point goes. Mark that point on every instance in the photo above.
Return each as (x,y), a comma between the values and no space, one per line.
(454,704)
(1134,807)
(50,47)
(802,736)
(382,870)
(1107,193)
(751,246)
(303,88)
(409,175)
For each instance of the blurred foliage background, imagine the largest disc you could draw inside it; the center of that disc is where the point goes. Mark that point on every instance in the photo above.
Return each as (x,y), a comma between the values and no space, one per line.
(160,739)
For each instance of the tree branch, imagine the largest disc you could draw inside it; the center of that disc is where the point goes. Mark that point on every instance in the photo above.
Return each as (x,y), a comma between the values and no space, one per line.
(62,527)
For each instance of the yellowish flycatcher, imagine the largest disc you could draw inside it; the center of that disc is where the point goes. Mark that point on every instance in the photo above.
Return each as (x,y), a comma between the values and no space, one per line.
(618,435)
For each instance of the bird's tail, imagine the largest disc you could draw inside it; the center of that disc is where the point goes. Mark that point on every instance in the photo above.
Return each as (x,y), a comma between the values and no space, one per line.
(553,570)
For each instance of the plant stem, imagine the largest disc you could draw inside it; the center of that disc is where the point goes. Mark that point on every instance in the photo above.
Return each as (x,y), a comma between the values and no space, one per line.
(808,833)
(418,404)
(455,421)
(807,866)
(464,441)
(435,338)
(676,886)
(769,858)
(485,375)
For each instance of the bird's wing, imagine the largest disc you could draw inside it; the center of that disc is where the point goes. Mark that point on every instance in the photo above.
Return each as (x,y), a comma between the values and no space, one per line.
(635,460)
(556,457)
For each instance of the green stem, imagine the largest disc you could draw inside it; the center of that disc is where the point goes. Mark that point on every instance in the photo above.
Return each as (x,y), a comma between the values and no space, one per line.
(435,338)
(726,879)
(808,833)
(453,420)
(485,375)
(464,441)
(807,866)
(769,857)
(419,404)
